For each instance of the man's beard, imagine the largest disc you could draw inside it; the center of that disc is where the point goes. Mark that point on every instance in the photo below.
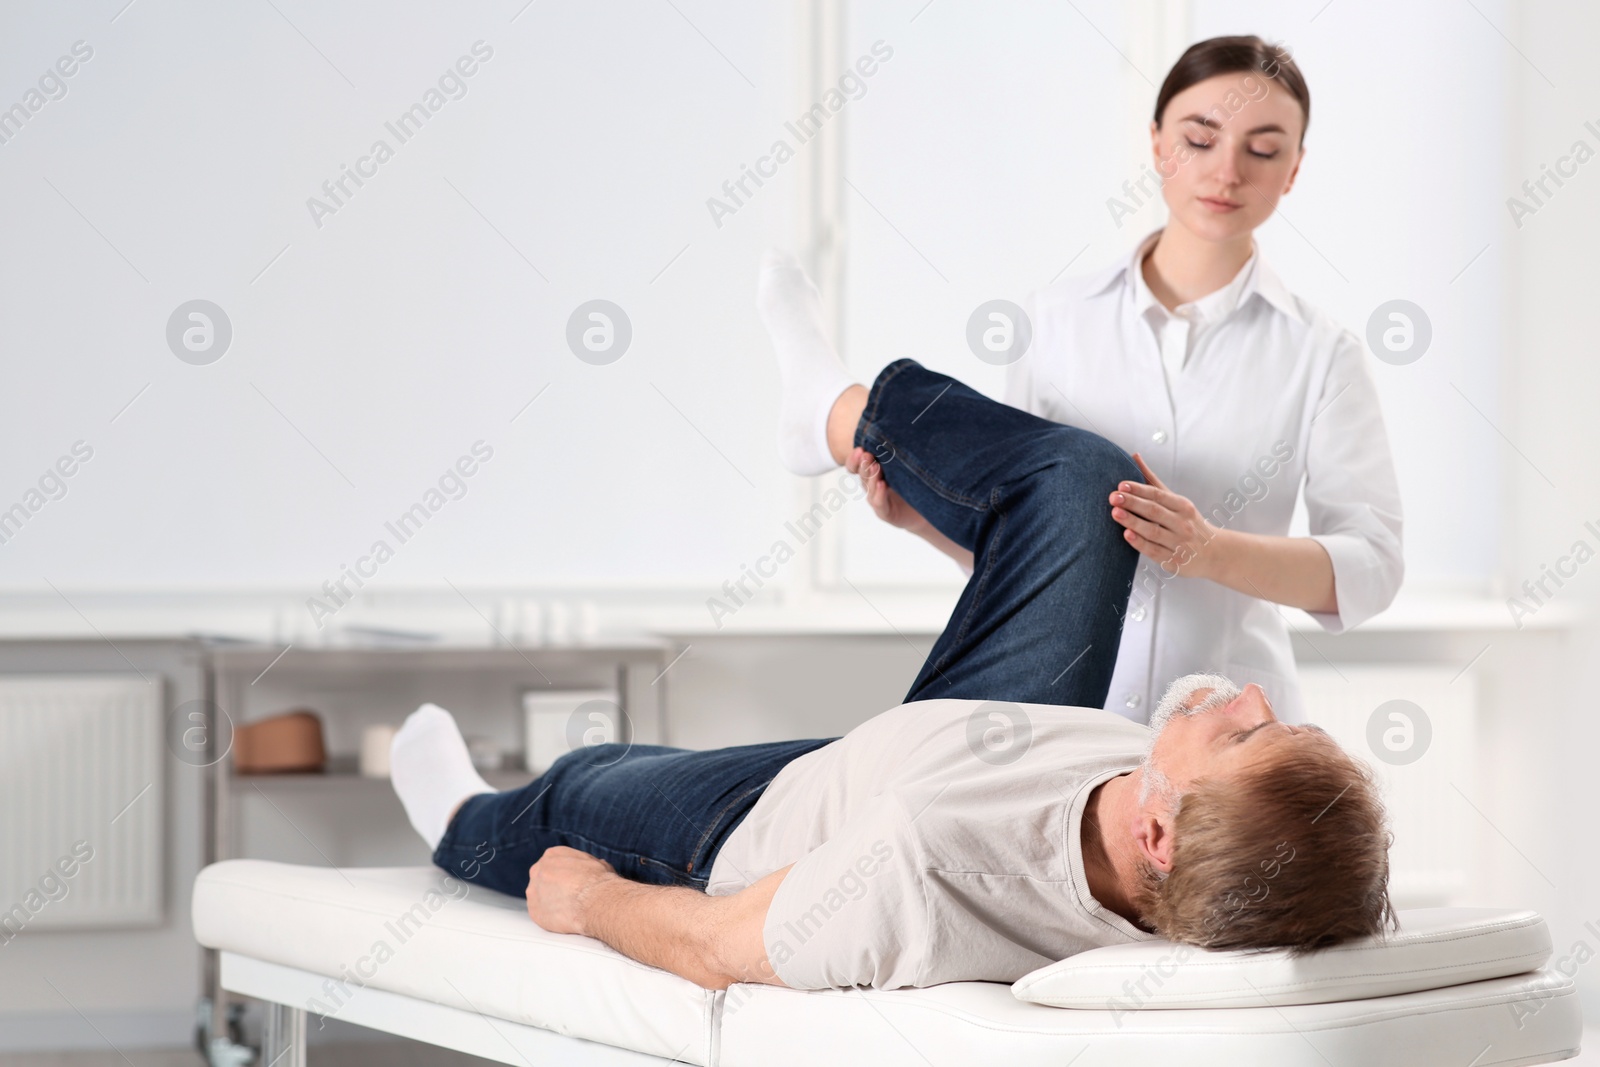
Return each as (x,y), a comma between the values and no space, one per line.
(1177,694)
(1152,781)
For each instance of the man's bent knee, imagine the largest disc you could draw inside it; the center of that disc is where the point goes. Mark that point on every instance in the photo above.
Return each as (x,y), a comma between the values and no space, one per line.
(1106,462)
(1079,465)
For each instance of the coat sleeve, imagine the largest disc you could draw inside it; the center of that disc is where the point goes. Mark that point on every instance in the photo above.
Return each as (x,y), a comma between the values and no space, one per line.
(1351,493)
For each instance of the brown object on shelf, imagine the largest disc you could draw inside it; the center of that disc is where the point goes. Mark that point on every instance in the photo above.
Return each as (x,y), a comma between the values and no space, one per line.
(290,742)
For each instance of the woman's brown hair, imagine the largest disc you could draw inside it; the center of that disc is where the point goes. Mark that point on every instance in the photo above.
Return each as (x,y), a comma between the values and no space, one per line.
(1235,55)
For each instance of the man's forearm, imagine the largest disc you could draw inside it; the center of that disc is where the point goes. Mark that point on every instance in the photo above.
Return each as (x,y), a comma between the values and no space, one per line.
(712,941)
(671,927)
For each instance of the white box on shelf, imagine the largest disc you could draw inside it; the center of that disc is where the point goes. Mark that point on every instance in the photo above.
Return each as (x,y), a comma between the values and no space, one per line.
(558,721)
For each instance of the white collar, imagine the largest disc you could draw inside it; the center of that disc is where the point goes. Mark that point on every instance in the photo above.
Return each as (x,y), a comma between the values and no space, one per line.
(1256,277)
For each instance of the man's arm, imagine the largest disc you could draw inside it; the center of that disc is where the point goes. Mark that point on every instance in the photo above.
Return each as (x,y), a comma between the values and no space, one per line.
(712,941)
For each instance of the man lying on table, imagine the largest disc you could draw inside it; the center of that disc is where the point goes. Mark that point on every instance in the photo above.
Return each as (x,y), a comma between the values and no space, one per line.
(996,822)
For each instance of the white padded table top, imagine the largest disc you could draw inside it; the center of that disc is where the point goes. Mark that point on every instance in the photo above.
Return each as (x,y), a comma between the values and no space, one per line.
(415,932)
(982,1023)
(480,953)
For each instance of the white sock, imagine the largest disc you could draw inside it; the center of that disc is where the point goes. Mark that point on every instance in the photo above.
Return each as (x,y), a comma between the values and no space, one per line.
(813,375)
(432,771)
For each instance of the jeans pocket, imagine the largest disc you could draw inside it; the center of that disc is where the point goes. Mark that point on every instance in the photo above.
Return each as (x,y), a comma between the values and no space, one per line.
(656,872)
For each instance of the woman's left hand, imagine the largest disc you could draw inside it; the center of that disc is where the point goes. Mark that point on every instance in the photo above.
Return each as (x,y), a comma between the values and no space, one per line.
(1165,526)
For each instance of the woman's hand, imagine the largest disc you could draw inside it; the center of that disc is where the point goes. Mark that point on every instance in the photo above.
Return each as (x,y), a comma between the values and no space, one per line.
(557,885)
(892,508)
(1165,526)
(887,504)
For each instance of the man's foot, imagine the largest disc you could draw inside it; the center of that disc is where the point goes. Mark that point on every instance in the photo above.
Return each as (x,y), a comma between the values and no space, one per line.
(813,375)
(432,771)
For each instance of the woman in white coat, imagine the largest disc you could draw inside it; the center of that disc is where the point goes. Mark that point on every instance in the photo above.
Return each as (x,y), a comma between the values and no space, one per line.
(1232,393)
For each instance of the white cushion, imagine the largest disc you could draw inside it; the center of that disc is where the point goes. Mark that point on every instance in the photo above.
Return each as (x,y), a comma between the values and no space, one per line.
(478,951)
(1434,947)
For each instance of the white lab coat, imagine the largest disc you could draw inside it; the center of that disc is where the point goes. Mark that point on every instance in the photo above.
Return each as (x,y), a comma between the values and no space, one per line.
(1266,394)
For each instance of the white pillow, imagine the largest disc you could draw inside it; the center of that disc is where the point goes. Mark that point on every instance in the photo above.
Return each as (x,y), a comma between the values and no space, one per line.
(1434,947)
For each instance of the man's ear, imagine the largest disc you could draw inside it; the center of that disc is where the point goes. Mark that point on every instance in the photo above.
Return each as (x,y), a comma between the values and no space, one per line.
(1153,834)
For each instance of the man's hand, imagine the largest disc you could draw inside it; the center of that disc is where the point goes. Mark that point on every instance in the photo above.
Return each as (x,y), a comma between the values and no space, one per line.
(559,884)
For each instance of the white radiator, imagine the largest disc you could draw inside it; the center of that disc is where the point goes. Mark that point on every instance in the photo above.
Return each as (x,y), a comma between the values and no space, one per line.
(1428,798)
(81,802)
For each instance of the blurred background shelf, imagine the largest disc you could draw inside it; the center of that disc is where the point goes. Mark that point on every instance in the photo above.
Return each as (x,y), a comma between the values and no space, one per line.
(341,773)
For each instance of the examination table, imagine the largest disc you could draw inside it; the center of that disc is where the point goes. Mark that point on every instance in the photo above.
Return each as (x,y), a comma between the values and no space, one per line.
(393,950)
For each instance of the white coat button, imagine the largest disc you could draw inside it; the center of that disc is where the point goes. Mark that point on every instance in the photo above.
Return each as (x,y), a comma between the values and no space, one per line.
(1133,700)
(1159,437)
(1138,615)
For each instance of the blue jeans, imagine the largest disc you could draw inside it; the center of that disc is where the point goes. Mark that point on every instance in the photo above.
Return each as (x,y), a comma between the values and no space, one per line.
(1038,622)
(1040,619)
(656,814)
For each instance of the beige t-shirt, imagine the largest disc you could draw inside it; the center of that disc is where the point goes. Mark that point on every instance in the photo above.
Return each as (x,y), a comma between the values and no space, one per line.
(937,842)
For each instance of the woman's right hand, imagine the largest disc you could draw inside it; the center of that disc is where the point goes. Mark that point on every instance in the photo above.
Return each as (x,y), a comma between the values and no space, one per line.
(887,504)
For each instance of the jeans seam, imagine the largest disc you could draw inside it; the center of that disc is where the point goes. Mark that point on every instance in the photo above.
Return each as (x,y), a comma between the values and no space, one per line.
(678,877)
(978,590)
(869,430)
(925,476)
(716,820)
(888,375)
(1001,518)
(502,843)
(590,845)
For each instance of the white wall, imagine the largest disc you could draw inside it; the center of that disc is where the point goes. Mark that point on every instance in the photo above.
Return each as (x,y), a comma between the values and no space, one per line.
(378,347)
(381,345)
(1551,381)
(977,171)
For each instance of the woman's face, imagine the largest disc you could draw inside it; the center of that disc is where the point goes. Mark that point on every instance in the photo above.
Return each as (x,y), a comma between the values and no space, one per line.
(1227,150)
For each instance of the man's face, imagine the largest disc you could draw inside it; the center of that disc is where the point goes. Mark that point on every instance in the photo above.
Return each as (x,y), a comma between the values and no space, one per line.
(1207,727)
